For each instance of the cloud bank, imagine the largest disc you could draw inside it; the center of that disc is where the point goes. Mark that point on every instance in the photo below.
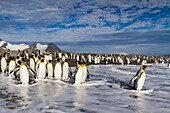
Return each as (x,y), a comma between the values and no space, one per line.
(132,26)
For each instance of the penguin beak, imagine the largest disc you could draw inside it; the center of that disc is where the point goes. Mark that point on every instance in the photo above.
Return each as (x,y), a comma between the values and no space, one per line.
(148,66)
(144,67)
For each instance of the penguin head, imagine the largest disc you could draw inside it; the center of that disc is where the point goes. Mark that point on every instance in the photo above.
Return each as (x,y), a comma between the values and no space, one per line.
(143,67)
(66,60)
(17,57)
(50,61)
(23,60)
(42,60)
(39,57)
(12,58)
(58,60)
(19,62)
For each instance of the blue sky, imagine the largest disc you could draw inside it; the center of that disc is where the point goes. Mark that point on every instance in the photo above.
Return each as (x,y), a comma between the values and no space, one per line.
(97,26)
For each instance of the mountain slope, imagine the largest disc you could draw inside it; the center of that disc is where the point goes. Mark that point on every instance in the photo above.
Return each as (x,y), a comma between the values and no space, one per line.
(34,47)
(52,47)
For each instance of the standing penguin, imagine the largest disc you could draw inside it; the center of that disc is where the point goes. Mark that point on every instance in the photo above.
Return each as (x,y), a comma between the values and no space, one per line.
(50,69)
(41,71)
(3,64)
(79,75)
(24,72)
(11,66)
(85,72)
(32,63)
(66,70)
(58,70)
(139,78)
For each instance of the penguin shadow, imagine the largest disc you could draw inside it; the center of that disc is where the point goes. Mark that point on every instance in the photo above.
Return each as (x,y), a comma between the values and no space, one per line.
(123,84)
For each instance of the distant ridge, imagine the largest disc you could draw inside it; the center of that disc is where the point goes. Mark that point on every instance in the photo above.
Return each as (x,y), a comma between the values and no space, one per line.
(52,47)
(168,55)
(24,46)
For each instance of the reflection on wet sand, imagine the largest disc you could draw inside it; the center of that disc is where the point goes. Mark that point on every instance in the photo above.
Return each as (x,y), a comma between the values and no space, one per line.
(140,103)
(80,96)
(12,100)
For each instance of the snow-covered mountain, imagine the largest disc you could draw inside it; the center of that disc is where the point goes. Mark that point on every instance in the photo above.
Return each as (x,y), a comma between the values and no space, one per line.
(36,46)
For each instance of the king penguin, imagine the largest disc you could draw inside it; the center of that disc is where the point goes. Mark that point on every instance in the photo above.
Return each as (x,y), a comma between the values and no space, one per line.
(58,70)
(139,78)
(41,71)
(32,63)
(85,72)
(79,75)
(24,72)
(3,64)
(11,66)
(50,69)
(66,70)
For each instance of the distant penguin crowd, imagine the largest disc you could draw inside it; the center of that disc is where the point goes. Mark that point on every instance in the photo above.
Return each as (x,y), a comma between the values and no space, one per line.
(27,66)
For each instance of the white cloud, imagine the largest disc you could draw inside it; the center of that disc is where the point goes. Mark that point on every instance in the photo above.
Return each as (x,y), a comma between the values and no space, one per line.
(59,21)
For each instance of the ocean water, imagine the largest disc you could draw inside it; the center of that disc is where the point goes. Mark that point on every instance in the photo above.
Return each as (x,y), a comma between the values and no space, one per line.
(102,93)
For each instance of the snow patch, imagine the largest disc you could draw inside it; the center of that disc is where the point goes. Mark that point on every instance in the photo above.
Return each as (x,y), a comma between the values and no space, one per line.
(41,47)
(16,47)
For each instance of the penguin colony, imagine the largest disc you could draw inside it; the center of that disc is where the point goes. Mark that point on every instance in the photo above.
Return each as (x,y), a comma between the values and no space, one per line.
(27,66)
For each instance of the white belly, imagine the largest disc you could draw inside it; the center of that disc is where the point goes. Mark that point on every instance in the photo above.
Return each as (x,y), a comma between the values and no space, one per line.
(65,71)
(3,65)
(50,71)
(140,82)
(57,71)
(84,74)
(11,66)
(78,76)
(32,65)
(95,60)
(24,75)
(41,71)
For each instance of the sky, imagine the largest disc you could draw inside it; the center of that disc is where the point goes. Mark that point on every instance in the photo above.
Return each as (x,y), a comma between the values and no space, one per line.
(96,26)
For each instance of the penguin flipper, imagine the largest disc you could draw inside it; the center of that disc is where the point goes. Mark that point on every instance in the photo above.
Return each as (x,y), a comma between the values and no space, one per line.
(73,75)
(15,74)
(6,69)
(32,71)
(88,77)
(14,70)
(135,77)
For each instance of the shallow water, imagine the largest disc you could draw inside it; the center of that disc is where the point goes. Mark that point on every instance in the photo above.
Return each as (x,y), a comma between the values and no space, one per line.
(101,94)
